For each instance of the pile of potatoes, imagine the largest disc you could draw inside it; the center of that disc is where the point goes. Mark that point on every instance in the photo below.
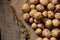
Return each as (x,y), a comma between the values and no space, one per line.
(44,18)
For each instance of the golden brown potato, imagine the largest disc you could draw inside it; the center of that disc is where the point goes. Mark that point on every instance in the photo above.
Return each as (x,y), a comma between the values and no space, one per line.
(26,7)
(26,16)
(40,7)
(45,13)
(39,38)
(45,39)
(33,1)
(46,33)
(36,21)
(56,22)
(34,25)
(31,20)
(51,14)
(55,32)
(38,15)
(32,12)
(40,26)
(44,2)
(53,38)
(55,1)
(50,6)
(48,23)
(32,6)
(57,16)
(38,31)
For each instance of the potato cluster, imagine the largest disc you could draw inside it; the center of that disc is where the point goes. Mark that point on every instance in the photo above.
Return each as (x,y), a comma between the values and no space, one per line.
(44,18)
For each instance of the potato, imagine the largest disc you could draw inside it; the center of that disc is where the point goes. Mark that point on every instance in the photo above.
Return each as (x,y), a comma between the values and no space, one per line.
(39,38)
(31,20)
(40,7)
(44,2)
(38,31)
(38,15)
(32,12)
(32,6)
(57,16)
(36,21)
(55,1)
(48,23)
(40,26)
(33,1)
(46,33)
(26,16)
(45,39)
(26,7)
(56,22)
(44,20)
(34,25)
(51,14)
(50,6)
(45,13)
(55,32)
(53,38)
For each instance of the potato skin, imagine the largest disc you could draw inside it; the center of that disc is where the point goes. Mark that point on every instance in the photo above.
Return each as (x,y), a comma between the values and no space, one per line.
(44,2)
(56,22)
(53,38)
(48,23)
(57,16)
(55,1)
(26,16)
(45,39)
(31,20)
(55,32)
(45,13)
(32,6)
(40,7)
(34,25)
(46,33)
(33,1)
(39,38)
(50,6)
(51,14)
(38,31)
(32,12)
(38,15)
(25,7)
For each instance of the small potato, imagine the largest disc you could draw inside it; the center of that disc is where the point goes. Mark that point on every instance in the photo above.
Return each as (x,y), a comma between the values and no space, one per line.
(33,1)
(40,26)
(44,20)
(36,21)
(55,1)
(34,25)
(50,6)
(39,38)
(46,33)
(58,7)
(45,13)
(38,31)
(50,14)
(56,23)
(32,6)
(55,32)
(26,7)
(57,16)
(45,39)
(32,12)
(53,38)
(31,20)
(26,16)
(48,23)
(44,2)
(38,15)
(40,7)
